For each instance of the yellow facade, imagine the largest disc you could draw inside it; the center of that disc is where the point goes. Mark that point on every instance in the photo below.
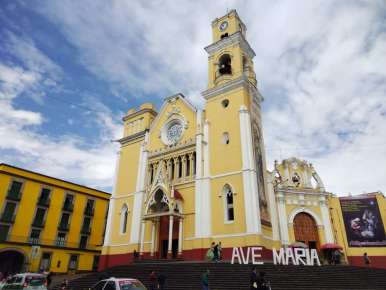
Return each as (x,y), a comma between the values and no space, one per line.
(207,175)
(187,177)
(42,226)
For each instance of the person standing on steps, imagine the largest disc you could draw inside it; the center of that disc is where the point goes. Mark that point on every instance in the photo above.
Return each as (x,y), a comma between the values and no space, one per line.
(366,259)
(153,280)
(205,280)
(210,252)
(219,251)
(161,281)
(215,253)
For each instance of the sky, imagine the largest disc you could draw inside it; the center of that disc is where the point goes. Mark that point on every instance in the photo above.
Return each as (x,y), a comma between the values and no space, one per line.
(69,71)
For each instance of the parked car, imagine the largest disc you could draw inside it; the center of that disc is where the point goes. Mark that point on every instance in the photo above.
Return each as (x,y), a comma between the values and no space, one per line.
(26,281)
(119,284)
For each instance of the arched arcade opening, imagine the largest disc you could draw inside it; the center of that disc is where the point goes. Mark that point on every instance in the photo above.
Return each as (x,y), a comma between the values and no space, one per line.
(11,261)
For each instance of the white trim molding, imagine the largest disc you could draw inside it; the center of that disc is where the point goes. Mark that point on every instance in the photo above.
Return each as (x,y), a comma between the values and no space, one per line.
(140,189)
(251,196)
(109,222)
(295,211)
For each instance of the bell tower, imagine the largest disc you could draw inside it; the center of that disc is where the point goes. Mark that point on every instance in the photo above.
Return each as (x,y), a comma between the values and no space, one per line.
(230,55)
(233,115)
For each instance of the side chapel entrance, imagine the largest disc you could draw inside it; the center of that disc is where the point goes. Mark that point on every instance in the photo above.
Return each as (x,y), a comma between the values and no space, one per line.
(306,230)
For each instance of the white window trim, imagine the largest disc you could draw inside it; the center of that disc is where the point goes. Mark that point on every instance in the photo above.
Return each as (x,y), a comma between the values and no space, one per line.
(226,205)
(124,209)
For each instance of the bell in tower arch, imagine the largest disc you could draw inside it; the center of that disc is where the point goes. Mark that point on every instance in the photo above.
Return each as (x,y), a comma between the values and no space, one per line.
(225,66)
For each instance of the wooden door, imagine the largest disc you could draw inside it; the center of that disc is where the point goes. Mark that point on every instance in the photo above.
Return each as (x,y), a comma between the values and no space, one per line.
(306,230)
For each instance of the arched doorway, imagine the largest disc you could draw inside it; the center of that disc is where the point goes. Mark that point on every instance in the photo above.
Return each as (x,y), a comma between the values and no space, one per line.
(306,230)
(165,218)
(11,261)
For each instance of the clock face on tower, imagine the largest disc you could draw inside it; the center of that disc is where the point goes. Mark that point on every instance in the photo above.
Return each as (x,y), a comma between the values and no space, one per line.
(223,25)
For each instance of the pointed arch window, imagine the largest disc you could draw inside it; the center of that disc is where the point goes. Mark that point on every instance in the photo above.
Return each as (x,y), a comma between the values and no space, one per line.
(229,214)
(124,217)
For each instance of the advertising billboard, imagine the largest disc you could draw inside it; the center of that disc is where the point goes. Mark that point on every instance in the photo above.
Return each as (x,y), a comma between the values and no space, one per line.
(363,222)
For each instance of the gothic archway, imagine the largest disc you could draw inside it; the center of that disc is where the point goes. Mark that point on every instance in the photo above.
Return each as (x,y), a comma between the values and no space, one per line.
(11,261)
(306,230)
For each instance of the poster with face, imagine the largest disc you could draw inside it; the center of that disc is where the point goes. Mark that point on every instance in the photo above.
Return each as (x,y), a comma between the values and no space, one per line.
(363,222)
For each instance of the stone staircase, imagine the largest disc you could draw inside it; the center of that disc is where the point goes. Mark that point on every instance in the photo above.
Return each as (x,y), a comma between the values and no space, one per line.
(224,276)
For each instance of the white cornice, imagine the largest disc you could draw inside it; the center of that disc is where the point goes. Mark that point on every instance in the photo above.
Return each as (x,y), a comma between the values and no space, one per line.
(235,38)
(231,85)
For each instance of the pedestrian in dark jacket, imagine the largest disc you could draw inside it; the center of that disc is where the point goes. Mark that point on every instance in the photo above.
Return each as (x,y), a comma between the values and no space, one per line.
(215,253)
(153,280)
(161,281)
(205,280)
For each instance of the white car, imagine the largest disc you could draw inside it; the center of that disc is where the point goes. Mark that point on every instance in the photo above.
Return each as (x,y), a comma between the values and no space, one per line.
(119,284)
(26,281)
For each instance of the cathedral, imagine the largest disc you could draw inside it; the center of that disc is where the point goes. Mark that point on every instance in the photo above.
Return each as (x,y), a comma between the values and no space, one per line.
(187,177)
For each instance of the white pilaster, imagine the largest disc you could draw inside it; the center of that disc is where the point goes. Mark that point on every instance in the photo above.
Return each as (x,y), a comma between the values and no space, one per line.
(282,219)
(198,181)
(272,208)
(152,238)
(251,196)
(171,219)
(326,220)
(180,237)
(110,213)
(140,192)
(142,242)
(206,220)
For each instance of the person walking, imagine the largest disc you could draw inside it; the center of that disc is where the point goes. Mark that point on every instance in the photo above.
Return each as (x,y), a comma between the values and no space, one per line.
(253,279)
(49,279)
(215,253)
(64,285)
(210,252)
(153,280)
(205,280)
(161,281)
(366,259)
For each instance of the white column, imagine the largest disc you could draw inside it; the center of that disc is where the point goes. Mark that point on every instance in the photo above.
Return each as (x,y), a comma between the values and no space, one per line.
(139,194)
(142,237)
(326,220)
(180,237)
(206,215)
(282,219)
(170,235)
(251,196)
(152,238)
(111,209)
(198,181)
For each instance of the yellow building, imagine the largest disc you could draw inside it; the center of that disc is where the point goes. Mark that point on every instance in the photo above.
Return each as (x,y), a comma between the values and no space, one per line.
(49,224)
(187,177)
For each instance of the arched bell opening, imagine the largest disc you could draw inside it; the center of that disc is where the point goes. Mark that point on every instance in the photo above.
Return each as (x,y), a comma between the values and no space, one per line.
(225,66)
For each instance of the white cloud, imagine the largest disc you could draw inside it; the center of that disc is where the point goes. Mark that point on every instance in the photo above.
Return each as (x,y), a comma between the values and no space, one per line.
(22,143)
(321,67)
